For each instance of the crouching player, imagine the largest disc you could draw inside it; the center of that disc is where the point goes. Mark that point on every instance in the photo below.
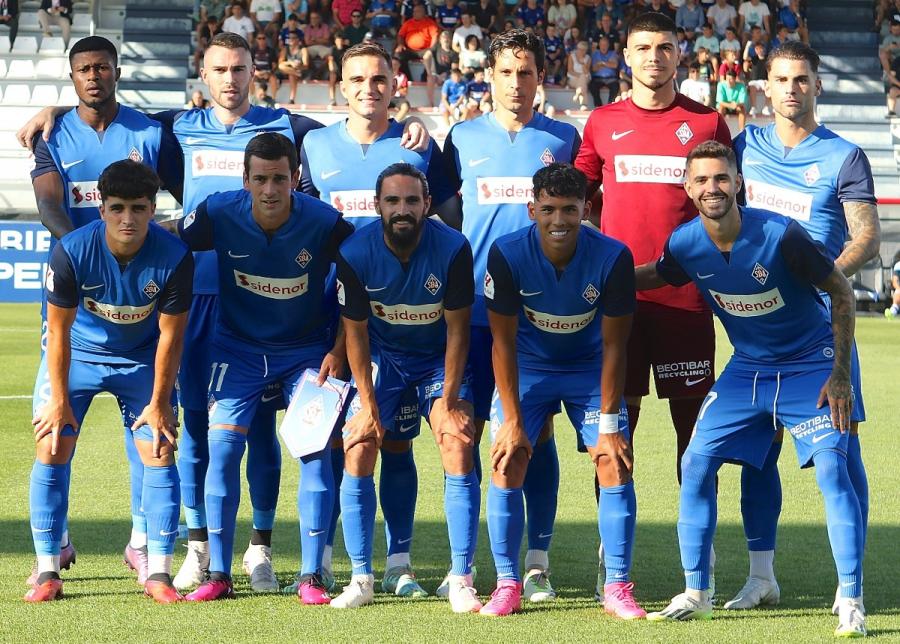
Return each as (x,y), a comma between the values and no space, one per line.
(791,367)
(560,298)
(405,286)
(118,293)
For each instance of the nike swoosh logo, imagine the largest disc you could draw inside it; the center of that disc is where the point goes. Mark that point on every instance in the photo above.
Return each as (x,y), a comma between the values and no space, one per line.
(90,288)
(821,437)
(233,256)
(847,584)
(215,530)
(545,536)
(33,529)
(163,533)
(315,533)
(524,294)
(475,162)
(405,428)
(375,290)
(359,565)
(402,541)
(690,383)
(328,175)
(618,135)
(707,276)
(66,166)
(620,575)
(267,398)
(194,140)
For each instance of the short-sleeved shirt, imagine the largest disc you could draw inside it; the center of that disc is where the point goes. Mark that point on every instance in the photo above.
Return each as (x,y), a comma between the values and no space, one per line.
(383,21)
(453,90)
(604,71)
(711,44)
(531,16)
(754,14)
(721,17)
(728,94)
(419,34)
(448,17)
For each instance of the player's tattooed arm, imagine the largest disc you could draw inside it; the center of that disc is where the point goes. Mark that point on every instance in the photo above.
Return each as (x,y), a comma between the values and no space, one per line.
(50,198)
(56,413)
(837,391)
(42,122)
(865,236)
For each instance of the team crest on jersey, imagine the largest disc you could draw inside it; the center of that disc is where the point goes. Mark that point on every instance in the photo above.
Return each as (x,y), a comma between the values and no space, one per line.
(151,289)
(303,258)
(341,298)
(590,294)
(684,133)
(136,156)
(760,274)
(812,174)
(432,284)
(547,157)
(488,286)
(189,219)
(49,280)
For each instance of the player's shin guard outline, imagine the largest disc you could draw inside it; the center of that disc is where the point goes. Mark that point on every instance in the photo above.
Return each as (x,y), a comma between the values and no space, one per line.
(761,501)
(223,495)
(541,489)
(697,516)
(462,503)
(315,505)
(358,508)
(263,468)
(398,490)
(161,501)
(506,524)
(49,504)
(136,478)
(857,471)
(193,461)
(617,516)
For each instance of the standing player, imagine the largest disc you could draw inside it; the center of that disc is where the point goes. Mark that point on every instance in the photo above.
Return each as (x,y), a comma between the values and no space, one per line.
(560,298)
(118,293)
(256,234)
(759,272)
(83,143)
(491,160)
(342,162)
(803,170)
(406,291)
(636,150)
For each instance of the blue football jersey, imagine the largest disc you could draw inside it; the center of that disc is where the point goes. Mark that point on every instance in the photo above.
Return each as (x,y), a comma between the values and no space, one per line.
(493,169)
(404,304)
(214,160)
(560,314)
(774,319)
(80,154)
(271,289)
(116,321)
(808,183)
(344,171)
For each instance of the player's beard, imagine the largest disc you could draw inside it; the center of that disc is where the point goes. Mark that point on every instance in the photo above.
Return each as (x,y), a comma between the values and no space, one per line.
(656,83)
(718,210)
(405,239)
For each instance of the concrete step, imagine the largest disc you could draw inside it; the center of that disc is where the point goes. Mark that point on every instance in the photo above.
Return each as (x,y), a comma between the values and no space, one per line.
(143,25)
(828,112)
(853,86)
(139,51)
(819,39)
(845,11)
(152,73)
(886,189)
(850,64)
(147,97)
(186,5)
(818,23)
(866,136)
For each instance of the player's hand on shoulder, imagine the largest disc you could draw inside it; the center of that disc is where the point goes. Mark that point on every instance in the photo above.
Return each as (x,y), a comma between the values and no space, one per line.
(42,122)
(161,420)
(51,419)
(837,392)
(364,426)
(510,438)
(415,135)
(617,448)
(452,420)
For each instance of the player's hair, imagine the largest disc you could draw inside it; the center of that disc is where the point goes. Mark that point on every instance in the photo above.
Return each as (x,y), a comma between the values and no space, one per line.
(559,180)
(271,146)
(403,170)
(794,50)
(712,150)
(229,40)
(367,49)
(128,179)
(94,43)
(517,40)
(652,22)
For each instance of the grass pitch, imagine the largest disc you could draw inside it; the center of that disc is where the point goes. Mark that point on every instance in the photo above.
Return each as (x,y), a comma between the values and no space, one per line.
(103,602)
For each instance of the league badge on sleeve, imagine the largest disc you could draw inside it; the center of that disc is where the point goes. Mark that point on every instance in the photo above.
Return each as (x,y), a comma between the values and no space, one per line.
(488,286)
(313,413)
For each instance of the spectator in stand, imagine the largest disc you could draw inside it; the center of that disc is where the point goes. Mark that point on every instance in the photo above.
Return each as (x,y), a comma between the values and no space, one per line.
(757,79)
(467,28)
(894,311)
(578,65)
(318,39)
(691,18)
(444,59)
(401,81)
(299,8)
(198,101)
(730,42)
(485,14)
(604,71)
(291,63)
(562,14)
(754,13)
(356,31)
(708,71)
(890,47)
(261,98)
(9,18)
(615,12)
(265,62)
(730,63)
(572,38)
(291,26)
(685,50)
(793,19)
(449,15)
(382,16)
(472,57)
(415,40)
(722,16)
(238,23)
(478,95)
(657,6)
(453,97)
(555,56)
(694,88)
(266,17)
(731,98)
(335,63)
(782,35)
(604,27)
(625,79)
(707,39)
(59,14)
(530,14)
(213,9)
(342,14)
(205,32)
(887,10)
(407,7)
(756,38)
(892,87)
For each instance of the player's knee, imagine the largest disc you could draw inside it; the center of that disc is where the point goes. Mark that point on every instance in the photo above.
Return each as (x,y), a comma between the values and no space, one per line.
(514,474)
(456,456)
(145,451)
(831,466)
(64,450)
(611,471)
(359,459)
